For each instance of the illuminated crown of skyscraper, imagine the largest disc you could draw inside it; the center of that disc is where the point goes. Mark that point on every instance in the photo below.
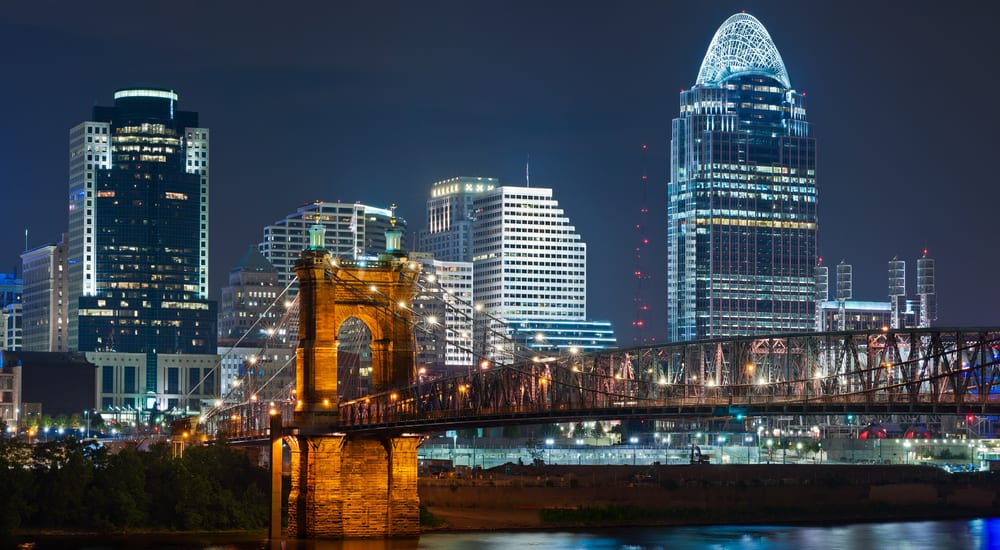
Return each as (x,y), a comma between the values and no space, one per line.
(741,46)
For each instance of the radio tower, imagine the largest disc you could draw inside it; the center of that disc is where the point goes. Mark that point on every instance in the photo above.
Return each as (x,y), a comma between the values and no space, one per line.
(641,275)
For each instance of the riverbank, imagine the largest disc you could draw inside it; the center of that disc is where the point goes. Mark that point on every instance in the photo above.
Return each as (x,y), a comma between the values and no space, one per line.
(529,497)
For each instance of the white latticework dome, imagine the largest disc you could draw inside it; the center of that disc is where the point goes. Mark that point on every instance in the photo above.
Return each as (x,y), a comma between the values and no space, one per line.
(742,46)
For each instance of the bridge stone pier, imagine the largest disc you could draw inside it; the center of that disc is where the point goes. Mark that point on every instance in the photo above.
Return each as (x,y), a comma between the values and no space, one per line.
(353,487)
(347,485)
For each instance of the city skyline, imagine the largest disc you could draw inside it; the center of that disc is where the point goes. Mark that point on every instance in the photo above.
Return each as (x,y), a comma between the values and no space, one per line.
(355,103)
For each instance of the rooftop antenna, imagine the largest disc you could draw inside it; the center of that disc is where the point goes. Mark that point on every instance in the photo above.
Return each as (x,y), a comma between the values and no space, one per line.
(527,173)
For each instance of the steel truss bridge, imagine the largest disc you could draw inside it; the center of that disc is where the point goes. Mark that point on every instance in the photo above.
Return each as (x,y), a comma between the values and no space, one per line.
(931,371)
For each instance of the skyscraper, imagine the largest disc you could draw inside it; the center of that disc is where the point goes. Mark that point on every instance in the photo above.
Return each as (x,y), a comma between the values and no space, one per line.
(46,295)
(138,229)
(530,276)
(742,225)
(450,217)
(530,263)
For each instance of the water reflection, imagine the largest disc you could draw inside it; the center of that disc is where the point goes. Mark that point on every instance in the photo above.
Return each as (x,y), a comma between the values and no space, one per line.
(956,535)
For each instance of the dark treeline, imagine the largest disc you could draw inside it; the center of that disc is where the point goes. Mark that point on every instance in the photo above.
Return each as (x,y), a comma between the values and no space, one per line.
(78,485)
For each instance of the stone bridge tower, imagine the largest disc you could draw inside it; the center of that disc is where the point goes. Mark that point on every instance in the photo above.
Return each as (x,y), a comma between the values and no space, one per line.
(345,485)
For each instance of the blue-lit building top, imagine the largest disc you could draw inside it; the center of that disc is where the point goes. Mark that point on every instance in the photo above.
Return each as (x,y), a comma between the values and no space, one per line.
(11,287)
(742,221)
(563,336)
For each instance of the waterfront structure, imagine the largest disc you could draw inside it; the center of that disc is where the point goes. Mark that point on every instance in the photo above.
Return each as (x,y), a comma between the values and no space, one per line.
(348,485)
(248,306)
(45,271)
(355,231)
(139,230)
(450,217)
(742,224)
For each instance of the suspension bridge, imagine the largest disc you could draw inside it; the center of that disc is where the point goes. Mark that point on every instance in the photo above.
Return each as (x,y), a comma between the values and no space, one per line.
(354,430)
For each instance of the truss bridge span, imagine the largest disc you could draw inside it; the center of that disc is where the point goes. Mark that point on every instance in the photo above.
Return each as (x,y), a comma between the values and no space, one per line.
(913,371)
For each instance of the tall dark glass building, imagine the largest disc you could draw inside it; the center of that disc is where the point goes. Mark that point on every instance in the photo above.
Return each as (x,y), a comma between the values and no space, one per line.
(138,229)
(741,208)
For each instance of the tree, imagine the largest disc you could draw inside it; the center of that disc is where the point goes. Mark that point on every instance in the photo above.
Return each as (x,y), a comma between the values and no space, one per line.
(62,490)
(118,496)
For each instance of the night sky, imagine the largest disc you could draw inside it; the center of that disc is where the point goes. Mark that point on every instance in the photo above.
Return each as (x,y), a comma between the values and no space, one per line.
(374,101)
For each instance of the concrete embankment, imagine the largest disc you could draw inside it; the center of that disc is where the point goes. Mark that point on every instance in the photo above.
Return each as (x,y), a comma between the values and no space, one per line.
(517,497)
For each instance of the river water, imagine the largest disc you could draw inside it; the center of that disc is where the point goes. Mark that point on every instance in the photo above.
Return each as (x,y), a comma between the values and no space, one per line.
(952,535)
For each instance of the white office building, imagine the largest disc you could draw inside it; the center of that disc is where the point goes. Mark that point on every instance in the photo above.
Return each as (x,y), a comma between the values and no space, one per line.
(529,264)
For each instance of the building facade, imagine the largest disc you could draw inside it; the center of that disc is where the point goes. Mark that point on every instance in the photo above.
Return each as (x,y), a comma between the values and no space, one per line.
(183,384)
(352,231)
(444,339)
(267,372)
(530,269)
(12,326)
(844,313)
(45,270)
(922,311)
(450,216)
(249,308)
(564,336)
(529,261)
(742,223)
(138,230)
(10,395)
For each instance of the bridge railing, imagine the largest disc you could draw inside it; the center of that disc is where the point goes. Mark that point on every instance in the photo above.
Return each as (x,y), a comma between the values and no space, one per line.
(886,370)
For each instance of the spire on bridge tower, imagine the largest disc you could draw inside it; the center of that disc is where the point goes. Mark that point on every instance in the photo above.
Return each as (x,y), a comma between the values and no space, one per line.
(394,238)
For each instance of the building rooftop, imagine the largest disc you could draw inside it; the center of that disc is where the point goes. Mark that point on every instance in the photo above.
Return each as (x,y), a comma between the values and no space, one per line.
(741,46)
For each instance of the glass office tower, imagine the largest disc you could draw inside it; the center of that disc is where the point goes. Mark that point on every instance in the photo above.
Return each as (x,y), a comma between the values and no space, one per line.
(138,229)
(741,209)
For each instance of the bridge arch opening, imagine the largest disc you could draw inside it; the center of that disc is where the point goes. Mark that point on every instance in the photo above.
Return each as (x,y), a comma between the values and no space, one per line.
(354,358)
